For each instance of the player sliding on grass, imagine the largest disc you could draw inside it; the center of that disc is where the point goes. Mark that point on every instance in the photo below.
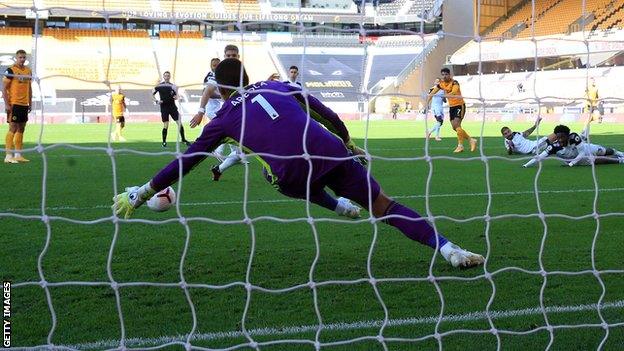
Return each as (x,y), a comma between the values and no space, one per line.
(277,127)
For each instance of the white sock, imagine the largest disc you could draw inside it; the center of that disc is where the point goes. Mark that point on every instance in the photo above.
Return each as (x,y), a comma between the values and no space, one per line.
(17,154)
(436,128)
(230,161)
(219,150)
(9,155)
(447,248)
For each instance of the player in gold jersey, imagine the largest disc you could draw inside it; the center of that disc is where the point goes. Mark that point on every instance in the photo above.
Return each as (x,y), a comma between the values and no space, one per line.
(457,108)
(593,103)
(118,106)
(17,94)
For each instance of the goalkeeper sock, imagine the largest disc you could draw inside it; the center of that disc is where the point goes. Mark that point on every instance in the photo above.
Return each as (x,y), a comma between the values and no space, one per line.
(323,199)
(164,135)
(8,140)
(182,133)
(414,227)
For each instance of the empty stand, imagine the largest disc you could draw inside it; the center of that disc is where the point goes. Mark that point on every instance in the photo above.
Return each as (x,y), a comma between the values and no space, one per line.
(247,6)
(390,8)
(558,87)
(331,74)
(181,34)
(383,66)
(81,59)
(421,7)
(187,58)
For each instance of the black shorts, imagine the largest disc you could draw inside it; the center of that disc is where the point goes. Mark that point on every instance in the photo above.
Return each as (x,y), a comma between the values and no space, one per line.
(19,114)
(120,119)
(166,111)
(457,111)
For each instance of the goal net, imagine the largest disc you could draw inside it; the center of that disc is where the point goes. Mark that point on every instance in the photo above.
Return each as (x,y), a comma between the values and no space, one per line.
(237,265)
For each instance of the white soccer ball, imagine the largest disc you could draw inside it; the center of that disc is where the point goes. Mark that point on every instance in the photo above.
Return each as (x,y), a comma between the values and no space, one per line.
(162,200)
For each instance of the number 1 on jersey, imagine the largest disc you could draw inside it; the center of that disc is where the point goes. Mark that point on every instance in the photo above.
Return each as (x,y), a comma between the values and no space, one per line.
(266,106)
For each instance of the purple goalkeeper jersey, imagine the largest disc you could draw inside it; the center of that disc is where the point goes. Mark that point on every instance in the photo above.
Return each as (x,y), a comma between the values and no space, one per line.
(274,124)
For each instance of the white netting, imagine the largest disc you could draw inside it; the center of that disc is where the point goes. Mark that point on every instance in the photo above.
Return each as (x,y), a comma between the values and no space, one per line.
(250,335)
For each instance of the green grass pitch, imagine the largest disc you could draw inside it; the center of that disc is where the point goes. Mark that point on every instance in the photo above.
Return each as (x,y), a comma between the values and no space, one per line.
(79,185)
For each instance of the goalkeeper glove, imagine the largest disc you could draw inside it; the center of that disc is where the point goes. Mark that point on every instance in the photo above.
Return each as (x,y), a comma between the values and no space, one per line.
(132,198)
(355,150)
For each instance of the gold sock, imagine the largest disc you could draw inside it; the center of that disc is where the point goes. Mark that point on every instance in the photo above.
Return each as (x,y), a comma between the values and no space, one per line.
(462,135)
(19,141)
(8,140)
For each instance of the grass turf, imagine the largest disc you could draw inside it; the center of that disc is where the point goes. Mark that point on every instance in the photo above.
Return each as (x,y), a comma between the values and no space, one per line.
(79,184)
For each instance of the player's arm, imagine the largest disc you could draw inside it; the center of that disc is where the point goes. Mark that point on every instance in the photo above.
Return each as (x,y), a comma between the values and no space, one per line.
(212,135)
(508,146)
(175,91)
(210,91)
(156,101)
(30,95)
(328,118)
(6,82)
(433,91)
(325,116)
(455,91)
(529,131)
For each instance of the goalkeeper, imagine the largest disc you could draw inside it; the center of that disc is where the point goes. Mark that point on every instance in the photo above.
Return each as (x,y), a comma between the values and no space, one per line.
(274,124)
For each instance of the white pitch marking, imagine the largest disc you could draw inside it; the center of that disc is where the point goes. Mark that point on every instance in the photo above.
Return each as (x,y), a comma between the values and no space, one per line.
(214,203)
(370,324)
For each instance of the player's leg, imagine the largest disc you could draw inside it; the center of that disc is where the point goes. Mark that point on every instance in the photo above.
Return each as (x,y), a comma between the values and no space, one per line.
(456,124)
(608,151)
(457,116)
(164,116)
(220,152)
(232,159)
(8,141)
(175,115)
(320,197)
(438,126)
(20,116)
(121,124)
(350,180)
(608,160)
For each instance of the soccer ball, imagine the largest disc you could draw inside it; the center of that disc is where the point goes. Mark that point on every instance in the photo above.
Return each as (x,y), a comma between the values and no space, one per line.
(162,200)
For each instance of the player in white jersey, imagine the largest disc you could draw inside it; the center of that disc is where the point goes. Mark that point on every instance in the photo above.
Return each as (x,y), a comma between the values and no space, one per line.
(588,153)
(517,143)
(437,107)
(214,102)
(293,73)
(230,51)
(566,147)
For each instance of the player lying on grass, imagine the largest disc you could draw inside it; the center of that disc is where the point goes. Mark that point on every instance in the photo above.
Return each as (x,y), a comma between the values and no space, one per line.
(274,124)
(588,153)
(518,143)
(571,148)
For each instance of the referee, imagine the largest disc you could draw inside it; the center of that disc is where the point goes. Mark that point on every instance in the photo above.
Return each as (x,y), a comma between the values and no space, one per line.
(167,95)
